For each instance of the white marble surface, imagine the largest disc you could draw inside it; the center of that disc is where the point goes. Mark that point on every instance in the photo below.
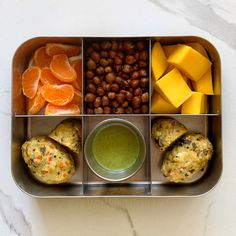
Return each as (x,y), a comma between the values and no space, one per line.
(211,215)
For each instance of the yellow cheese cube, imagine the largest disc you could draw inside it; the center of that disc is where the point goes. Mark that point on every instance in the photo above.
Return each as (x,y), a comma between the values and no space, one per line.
(204,84)
(196,104)
(161,106)
(173,88)
(189,61)
(159,61)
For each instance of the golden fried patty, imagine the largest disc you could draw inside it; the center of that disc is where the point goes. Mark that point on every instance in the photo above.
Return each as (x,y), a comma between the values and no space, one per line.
(187,157)
(69,134)
(47,160)
(165,131)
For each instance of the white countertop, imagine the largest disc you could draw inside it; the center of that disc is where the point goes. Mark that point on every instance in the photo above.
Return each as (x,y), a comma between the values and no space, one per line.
(211,215)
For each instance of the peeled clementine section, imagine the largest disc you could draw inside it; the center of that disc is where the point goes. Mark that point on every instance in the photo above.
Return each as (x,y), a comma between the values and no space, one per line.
(69,109)
(41,58)
(48,78)
(77,65)
(30,80)
(35,104)
(57,48)
(61,68)
(77,99)
(58,95)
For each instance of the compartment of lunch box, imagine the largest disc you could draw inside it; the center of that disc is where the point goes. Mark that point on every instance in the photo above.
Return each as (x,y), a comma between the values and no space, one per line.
(25,128)
(22,58)
(138,184)
(214,101)
(87,45)
(209,125)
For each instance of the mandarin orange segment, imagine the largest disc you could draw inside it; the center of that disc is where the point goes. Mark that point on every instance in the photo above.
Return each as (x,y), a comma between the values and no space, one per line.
(61,68)
(69,109)
(47,77)
(36,104)
(41,58)
(57,48)
(58,95)
(77,99)
(30,81)
(77,65)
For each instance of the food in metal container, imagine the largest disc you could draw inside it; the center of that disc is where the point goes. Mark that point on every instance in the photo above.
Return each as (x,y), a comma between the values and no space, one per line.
(47,160)
(187,157)
(69,134)
(165,131)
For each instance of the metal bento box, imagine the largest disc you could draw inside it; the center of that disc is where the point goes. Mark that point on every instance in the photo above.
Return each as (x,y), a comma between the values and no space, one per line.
(148,181)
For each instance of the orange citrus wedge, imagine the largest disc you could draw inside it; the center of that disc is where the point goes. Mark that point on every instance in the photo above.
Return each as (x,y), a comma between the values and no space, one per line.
(58,95)
(35,104)
(69,109)
(30,81)
(41,58)
(48,78)
(77,99)
(57,48)
(77,65)
(61,68)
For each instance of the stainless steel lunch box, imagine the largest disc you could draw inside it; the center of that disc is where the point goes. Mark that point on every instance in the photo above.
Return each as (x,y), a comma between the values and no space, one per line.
(148,181)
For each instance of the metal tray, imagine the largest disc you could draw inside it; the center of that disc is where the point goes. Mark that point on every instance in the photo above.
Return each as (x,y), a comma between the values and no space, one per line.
(148,181)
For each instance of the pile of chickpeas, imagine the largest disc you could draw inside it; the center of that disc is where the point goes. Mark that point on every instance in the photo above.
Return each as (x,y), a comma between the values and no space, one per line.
(116,77)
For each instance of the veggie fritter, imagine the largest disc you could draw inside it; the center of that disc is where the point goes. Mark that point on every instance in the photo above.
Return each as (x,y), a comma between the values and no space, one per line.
(187,157)
(47,160)
(69,134)
(165,131)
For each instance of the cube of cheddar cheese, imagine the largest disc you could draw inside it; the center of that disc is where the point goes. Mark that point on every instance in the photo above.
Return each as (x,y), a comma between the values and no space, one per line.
(174,88)
(196,104)
(160,106)
(189,61)
(159,61)
(204,84)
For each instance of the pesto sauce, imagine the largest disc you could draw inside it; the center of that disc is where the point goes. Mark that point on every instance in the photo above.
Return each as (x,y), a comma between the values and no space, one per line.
(115,147)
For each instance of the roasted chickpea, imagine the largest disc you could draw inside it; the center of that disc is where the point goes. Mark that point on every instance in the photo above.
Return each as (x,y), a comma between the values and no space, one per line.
(111,95)
(115,104)
(96,46)
(117,68)
(142,64)
(120,46)
(115,88)
(129,110)
(124,84)
(91,65)
(127,68)
(134,83)
(104,62)
(100,91)
(145,97)
(127,45)
(89,97)
(107,87)
(108,69)
(120,97)
(136,102)
(143,55)
(114,45)
(140,45)
(137,91)
(89,110)
(120,110)
(89,51)
(105,101)
(120,55)
(118,80)
(98,110)
(135,75)
(111,61)
(125,104)
(110,78)
(107,110)
(144,82)
(118,61)
(106,45)
(95,56)
(125,76)
(97,102)
(129,59)
(136,67)
(112,54)
(91,88)
(129,96)
(136,56)
(104,54)
(89,74)
(96,80)
(136,110)
(143,73)
(100,70)
(144,109)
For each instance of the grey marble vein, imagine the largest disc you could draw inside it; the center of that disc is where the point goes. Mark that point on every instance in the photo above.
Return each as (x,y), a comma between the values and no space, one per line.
(206,218)
(14,218)
(126,212)
(202,15)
